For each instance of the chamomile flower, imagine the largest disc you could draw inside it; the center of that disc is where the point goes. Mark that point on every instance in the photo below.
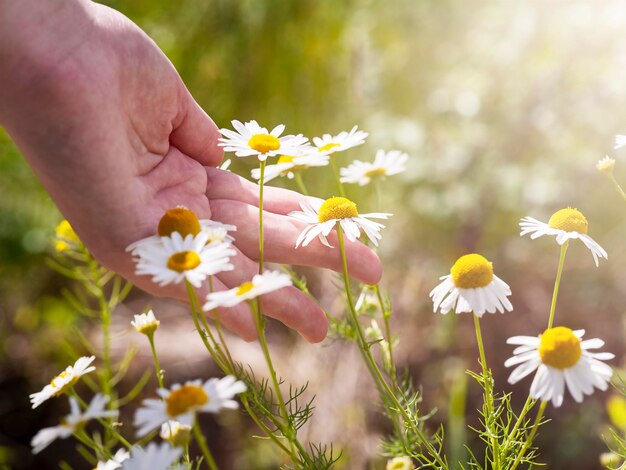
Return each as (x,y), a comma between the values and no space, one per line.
(561,359)
(252,139)
(146,323)
(72,422)
(184,221)
(322,216)
(471,286)
(116,462)
(400,463)
(175,433)
(606,165)
(565,224)
(153,457)
(260,284)
(620,141)
(66,237)
(64,381)
(288,165)
(182,402)
(176,259)
(385,164)
(329,144)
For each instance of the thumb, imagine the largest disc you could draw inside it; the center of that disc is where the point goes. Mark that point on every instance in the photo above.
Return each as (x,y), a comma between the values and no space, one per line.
(196,134)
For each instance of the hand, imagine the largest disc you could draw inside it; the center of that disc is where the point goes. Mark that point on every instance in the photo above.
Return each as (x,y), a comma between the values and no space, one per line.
(109,127)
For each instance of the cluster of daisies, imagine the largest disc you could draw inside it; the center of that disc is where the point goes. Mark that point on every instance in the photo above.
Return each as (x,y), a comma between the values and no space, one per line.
(559,355)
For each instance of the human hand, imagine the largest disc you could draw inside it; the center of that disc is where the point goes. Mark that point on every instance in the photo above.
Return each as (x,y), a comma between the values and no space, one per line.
(109,127)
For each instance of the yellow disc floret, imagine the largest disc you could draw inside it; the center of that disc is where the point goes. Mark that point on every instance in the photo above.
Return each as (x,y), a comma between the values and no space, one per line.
(472,272)
(57,382)
(327,147)
(65,236)
(181,220)
(337,208)
(375,172)
(264,143)
(185,398)
(183,261)
(285,159)
(559,348)
(244,288)
(570,220)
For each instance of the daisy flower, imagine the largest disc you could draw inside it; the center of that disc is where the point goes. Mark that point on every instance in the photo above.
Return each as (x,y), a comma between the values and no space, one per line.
(182,402)
(606,165)
(252,139)
(565,224)
(561,359)
(620,141)
(66,237)
(116,462)
(400,463)
(260,284)
(146,323)
(184,221)
(322,216)
(471,286)
(153,457)
(287,165)
(72,422)
(64,381)
(176,259)
(385,164)
(329,144)
(175,433)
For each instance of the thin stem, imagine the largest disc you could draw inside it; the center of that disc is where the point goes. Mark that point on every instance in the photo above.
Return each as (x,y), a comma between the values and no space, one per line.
(300,183)
(261,245)
(530,403)
(531,436)
(557,283)
(267,430)
(481,347)
(342,191)
(159,372)
(617,186)
(388,338)
(197,432)
(218,326)
(367,355)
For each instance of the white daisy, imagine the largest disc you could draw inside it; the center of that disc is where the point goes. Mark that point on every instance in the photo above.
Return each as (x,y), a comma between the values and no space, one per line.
(184,221)
(269,281)
(64,381)
(287,165)
(178,258)
(561,358)
(153,457)
(116,462)
(146,323)
(72,422)
(471,286)
(322,216)
(252,139)
(182,402)
(385,164)
(400,463)
(606,165)
(329,144)
(620,141)
(175,433)
(565,224)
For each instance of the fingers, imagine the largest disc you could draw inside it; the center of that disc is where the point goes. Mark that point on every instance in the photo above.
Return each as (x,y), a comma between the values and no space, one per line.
(288,305)
(226,185)
(196,135)
(280,234)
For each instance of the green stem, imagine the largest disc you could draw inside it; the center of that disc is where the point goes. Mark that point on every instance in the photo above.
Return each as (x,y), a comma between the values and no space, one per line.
(342,191)
(300,183)
(261,244)
(488,388)
(385,315)
(267,430)
(557,283)
(197,432)
(368,358)
(617,186)
(159,372)
(530,403)
(531,436)
(218,326)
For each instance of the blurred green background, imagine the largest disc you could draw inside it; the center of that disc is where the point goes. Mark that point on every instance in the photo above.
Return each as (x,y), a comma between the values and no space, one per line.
(504,108)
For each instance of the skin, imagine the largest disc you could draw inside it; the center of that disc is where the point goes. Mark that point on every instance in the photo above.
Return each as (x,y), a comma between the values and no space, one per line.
(116,138)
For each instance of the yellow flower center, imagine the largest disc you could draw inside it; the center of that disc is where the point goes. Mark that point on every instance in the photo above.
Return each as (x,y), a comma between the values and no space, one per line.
(176,433)
(559,348)
(148,328)
(328,146)
(181,220)
(570,220)
(376,172)
(185,398)
(289,159)
(183,261)
(264,143)
(471,272)
(65,233)
(285,159)
(337,208)
(57,382)
(244,288)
